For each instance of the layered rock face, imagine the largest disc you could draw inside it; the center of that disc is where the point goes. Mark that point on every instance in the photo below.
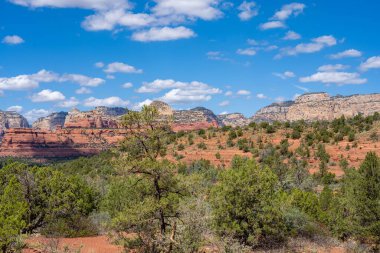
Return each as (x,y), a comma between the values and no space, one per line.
(61,143)
(100,117)
(12,120)
(187,120)
(51,122)
(320,106)
(234,119)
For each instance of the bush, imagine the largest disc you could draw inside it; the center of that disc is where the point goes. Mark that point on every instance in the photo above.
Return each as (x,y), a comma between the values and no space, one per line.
(245,205)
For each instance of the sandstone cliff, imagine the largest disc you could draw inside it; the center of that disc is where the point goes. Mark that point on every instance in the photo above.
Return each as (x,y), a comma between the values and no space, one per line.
(12,120)
(62,143)
(51,122)
(100,117)
(320,106)
(234,119)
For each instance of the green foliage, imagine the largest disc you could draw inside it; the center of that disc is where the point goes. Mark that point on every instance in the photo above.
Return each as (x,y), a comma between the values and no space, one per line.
(245,206)
(13,209)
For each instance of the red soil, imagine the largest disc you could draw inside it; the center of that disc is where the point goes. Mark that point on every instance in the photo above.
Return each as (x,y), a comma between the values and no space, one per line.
(98,244)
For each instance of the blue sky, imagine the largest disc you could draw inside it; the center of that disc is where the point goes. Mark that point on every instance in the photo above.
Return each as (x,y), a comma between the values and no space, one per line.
(229,56)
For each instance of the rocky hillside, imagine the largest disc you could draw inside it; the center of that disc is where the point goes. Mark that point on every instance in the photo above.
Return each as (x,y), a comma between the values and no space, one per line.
(51,122)
(234,119)
(12,120)
(100,117)
(186,120)
(319,106)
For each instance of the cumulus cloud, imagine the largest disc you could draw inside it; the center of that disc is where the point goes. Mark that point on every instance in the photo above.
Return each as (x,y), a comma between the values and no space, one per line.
(127,85)
(247,51)
(293,9)
(346,54)
(15,108)
(272,25)
(140,105)
(247,10)
(111,15)
(228,93)
(201,9)
(110,101)
(285,75)
(163,34)
(180,92)
(243,93)
(224,103)
(83,90)
(82,80)
(261,96)
(13,40)
(35,114)
(316,45)
(333,77)
(332,68)
(25,82)
(291,35)
(119,67)
(99,65)
(371,63)
(72,102)
(47,96)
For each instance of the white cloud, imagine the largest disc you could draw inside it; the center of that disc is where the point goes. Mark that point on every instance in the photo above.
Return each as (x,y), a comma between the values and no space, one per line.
(247,51)
(35,114)
(139,105)
(339,78)
(127,85)
(119,67)
(371,63)
(203,9)
(82,80)
(83,4)
(247,10)
(346,54)
(1,93)
(291,35)
(99,65)
(15,108)
(261,96)
(228,93)
(109,20)
(332,68)
(316,45)
(72,102)
(163,34)
(224,103)
(180,92)
(111,102)
(25,82)
(83,90)
(47,96)
(13,40)
(243,93)
(285,75)
(289,10)
(272,25)
(217,56)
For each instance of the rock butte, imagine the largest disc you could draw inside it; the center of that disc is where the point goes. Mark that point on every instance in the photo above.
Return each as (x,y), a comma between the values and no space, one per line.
(77,133)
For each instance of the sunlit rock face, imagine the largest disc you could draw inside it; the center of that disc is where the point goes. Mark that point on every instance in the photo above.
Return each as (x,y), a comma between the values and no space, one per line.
(100,117)
(319,106)
(51,122)
(234,119)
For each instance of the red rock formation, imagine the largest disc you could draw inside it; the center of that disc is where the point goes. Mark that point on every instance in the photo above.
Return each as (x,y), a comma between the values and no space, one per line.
(26,142)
